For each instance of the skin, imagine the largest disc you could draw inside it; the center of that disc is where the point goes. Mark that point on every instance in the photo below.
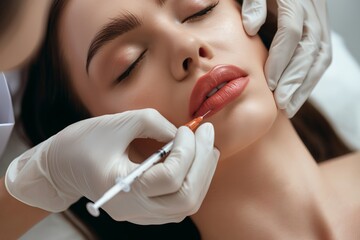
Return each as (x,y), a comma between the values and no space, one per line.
(16,217)
(168,44)
(265,174)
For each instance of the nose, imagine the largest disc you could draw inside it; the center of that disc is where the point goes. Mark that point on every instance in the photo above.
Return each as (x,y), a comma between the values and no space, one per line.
(186,53)
(187,63)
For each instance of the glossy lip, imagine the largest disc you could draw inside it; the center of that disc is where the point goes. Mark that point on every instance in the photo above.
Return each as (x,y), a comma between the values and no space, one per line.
(236,78)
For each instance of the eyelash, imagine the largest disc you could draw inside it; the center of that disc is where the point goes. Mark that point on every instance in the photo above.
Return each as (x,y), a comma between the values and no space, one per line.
(201,13)
(193,17)
(129,70)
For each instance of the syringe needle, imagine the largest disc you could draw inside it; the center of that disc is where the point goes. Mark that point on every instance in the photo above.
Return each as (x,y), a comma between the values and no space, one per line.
(124,183)
(193,124)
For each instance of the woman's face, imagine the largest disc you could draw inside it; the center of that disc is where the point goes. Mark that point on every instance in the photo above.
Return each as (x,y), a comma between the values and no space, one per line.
(133,54)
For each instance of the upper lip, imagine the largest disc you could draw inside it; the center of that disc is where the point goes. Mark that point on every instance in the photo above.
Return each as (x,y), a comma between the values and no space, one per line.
(217,75)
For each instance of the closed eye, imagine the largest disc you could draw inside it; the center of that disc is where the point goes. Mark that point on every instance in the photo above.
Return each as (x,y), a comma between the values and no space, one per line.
(201,13)
(130,69)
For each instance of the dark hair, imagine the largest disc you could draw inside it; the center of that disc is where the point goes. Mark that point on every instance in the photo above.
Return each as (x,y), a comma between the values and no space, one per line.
(49,105)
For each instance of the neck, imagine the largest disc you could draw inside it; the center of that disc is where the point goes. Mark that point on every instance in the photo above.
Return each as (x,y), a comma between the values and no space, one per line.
(271,190)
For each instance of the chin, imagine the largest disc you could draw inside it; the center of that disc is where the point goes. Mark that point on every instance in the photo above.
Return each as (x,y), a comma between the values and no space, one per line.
(241,125)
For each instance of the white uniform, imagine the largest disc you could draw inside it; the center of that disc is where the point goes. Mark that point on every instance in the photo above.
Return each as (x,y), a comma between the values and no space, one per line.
(7,120)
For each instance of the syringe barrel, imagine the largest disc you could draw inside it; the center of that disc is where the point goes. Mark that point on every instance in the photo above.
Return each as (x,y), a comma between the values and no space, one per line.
(150,161)
(125,183)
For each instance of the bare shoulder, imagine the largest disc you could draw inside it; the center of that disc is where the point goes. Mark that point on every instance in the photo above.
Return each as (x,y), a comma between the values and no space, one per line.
(344,174)
(350,162)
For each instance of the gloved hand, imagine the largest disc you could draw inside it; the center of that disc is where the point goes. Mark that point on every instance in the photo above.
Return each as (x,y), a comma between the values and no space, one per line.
(85,158)
(300,51)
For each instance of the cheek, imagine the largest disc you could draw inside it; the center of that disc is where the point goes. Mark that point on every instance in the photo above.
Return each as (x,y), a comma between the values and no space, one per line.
(247,51)
(119,100)
(244,126)
(251,52)
(136,95)
(247,119)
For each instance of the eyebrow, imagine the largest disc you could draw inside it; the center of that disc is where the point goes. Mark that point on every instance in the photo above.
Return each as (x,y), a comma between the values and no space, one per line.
(114,28)
(161,2)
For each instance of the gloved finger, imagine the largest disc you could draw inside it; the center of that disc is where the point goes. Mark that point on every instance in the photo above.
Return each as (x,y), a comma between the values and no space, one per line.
(205,163)
(188,199)
(296,72)
(144,123)
(156,219)
(253,15)
(322,61)
(136,208)
(286,39)
(325,54)
(167,177)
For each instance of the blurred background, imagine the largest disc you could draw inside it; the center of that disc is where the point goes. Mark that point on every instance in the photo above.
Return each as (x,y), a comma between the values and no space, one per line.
(345,20)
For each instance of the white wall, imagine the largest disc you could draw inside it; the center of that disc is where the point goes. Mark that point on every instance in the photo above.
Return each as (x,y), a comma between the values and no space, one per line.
(344,18)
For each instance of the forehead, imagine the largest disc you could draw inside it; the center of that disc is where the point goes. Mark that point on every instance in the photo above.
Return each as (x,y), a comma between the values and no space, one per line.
(82,19)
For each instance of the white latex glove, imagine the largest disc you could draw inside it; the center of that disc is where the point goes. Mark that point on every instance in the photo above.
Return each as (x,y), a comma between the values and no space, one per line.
(85,158)
(301,49)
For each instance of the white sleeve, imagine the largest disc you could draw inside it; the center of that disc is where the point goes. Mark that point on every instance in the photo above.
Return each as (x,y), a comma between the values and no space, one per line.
(6,113)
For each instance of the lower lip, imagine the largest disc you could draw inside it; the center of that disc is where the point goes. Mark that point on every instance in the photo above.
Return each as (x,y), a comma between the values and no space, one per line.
(222,97)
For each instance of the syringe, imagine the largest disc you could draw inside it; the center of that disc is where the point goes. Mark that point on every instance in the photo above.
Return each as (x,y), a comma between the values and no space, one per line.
(123,184)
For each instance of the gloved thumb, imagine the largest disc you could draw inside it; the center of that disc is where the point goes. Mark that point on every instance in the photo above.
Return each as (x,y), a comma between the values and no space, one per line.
(168,176)
(253,15)
(143,123)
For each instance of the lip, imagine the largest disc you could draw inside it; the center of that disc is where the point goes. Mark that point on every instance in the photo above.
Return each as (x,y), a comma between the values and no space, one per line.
(237,80)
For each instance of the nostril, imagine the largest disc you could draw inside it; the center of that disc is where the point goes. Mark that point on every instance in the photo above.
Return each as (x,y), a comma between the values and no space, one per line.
(186,63)
(202,52)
